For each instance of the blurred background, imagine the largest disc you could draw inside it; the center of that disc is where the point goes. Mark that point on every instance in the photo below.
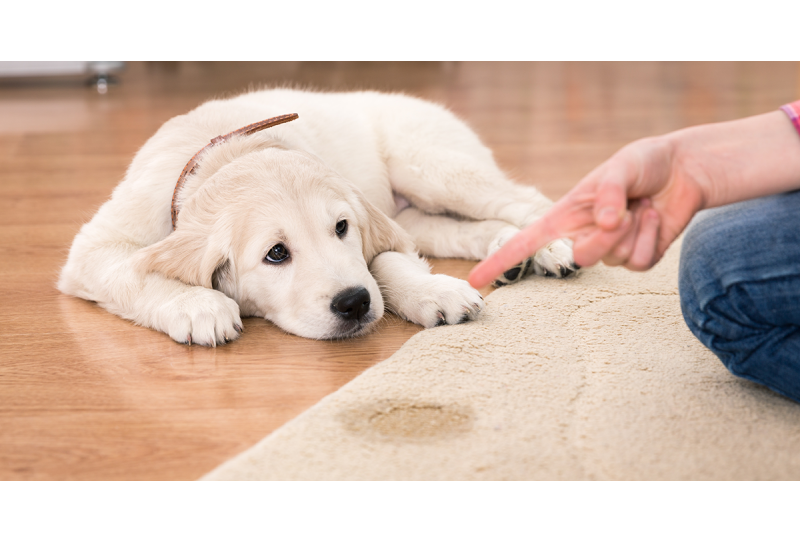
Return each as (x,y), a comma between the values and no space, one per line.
(549,122)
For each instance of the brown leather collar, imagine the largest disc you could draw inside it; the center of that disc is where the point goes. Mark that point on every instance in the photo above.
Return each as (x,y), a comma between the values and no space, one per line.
(192,165)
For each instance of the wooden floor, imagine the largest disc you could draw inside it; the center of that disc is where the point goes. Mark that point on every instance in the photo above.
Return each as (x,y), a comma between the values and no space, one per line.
(86,395)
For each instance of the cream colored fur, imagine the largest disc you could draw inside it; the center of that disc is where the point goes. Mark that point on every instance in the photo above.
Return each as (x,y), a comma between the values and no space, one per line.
(402,173)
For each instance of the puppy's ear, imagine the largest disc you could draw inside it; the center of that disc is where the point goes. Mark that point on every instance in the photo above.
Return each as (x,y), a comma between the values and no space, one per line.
(185,255)
(379,233)
(223,278)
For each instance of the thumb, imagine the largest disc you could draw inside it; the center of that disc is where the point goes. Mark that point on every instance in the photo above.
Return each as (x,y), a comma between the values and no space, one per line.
(611,203)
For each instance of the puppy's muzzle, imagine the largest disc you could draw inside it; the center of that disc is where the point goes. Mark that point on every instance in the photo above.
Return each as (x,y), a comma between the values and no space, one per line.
(351,304)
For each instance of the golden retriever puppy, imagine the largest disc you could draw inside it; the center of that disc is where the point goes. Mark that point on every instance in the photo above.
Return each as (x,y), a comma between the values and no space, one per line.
(313,224)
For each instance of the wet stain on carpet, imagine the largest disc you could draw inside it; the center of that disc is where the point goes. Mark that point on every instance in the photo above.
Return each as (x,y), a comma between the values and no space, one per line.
(398,420)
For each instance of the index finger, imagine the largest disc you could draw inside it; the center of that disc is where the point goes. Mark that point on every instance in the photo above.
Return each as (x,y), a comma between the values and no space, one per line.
(519,247)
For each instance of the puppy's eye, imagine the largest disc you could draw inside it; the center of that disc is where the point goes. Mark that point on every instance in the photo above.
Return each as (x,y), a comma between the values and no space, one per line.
(341,228)
(277,254)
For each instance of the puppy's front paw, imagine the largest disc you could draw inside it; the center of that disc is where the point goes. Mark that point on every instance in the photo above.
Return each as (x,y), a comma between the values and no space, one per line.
(202,316)
(441,300)
(555,260)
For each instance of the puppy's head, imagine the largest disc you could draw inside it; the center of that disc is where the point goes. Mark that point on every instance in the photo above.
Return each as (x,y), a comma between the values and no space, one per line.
(286,238)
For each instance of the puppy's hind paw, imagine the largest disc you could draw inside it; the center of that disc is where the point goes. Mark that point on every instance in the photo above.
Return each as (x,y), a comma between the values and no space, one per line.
(515,274)
(555,260)
(519,271)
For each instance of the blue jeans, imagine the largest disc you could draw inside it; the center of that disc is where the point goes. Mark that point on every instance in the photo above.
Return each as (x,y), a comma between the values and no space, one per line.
(740,288)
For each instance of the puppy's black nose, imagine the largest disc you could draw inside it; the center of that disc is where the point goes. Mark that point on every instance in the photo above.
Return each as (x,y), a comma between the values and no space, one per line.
(351,304)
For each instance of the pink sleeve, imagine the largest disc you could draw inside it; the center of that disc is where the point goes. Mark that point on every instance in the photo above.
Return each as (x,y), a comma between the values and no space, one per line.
(793,111)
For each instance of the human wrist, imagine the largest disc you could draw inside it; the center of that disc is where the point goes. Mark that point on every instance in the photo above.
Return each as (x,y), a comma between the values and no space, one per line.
(792,110)
(688,154)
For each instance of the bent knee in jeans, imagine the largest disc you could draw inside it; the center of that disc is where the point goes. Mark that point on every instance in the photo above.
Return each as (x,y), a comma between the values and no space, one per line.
(740,288)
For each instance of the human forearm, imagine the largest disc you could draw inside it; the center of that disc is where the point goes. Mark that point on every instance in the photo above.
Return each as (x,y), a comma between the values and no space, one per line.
(741,159)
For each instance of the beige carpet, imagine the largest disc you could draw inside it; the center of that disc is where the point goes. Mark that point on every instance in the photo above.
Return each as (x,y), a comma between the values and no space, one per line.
(590,378)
